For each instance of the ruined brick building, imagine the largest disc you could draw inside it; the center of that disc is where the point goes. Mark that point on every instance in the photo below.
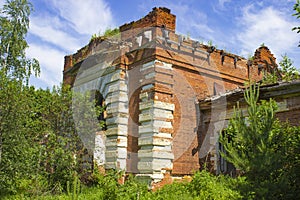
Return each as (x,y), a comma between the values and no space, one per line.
(151,81)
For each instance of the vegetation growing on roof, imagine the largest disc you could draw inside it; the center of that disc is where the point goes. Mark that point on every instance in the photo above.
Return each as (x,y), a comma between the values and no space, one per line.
(287,71)
(107,33)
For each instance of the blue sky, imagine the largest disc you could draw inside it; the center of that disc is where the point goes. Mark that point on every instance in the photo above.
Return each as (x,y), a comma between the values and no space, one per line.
(61,27)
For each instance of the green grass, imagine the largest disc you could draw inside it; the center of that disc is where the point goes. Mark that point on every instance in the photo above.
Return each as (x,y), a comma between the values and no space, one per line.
(203,186)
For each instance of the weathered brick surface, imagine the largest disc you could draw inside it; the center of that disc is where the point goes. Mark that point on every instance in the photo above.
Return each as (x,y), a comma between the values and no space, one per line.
(159,67)
(263,56)
(286,95)
(158,17)
(291,116)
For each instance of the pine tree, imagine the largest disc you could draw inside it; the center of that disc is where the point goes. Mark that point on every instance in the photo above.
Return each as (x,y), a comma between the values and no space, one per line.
(261,147)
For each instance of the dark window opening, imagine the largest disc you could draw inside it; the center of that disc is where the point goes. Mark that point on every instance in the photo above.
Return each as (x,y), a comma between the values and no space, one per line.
(225,167)
(99,101)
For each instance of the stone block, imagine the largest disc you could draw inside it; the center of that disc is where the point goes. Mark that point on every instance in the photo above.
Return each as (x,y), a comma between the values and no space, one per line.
(118,141)
(147,66)
(164,105)
(154,140)
(162,124)
(119,85)
(142,154)
(116,130)
(110,165)
(156,104)
(117,107)
(154,165)
(164,65)
(148,128)
(120,153)
(118,96)
(117,120)
(150,75)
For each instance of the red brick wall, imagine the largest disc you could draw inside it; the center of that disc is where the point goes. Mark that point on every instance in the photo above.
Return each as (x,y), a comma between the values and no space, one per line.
(158,17)
(224,71)
(291,116)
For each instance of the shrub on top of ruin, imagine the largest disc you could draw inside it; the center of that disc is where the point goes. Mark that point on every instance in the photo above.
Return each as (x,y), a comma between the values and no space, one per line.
(111,32)
(107,33)
(287,71)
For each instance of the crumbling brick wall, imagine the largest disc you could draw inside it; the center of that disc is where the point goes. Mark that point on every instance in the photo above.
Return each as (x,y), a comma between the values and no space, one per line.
(152,86)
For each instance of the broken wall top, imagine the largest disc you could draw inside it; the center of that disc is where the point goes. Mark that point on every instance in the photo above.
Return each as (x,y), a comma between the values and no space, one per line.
(158,29)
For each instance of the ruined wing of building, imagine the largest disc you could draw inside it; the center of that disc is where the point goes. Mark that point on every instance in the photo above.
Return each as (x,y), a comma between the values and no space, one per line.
(151,81)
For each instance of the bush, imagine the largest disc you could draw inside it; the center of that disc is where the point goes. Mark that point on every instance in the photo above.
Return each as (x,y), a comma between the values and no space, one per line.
(207,186)
(203,186)
(264,149)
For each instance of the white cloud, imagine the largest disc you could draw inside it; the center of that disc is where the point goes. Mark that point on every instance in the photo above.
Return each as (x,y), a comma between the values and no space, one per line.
(51,62)
(45,29)
(61,29)
(86,16)
(268,26)
(188,21)
(1,3)
(220,7)
(222,2)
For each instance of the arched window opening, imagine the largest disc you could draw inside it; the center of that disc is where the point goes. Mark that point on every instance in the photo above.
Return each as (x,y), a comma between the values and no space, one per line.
(100,102)
(225,167)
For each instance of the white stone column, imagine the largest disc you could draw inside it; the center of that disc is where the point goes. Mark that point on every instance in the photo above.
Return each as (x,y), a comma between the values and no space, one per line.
(155,130)
(117,120)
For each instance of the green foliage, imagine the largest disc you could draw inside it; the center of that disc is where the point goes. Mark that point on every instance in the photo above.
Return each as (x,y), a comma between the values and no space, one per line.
(75,189)
(107,187)
(109,184)
(41,153)
(52,118)
(111,32)
(132,189)
(287,71)
(269,78)
(262,148)
(262,45)
(297,14)
(211,45)
(14,23)
(206,186)
(107,33)
(172,191)
(203,186)
(40,150)
(30,146)
(246,132)
(18,149)
(85,112)
(15,146)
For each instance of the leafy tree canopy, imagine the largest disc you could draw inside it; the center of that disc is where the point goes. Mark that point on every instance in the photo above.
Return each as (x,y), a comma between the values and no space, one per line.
(14,23)
(297,14)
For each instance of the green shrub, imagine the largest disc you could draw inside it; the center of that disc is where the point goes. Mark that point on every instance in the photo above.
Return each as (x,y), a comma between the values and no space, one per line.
(132,189)
(203,186)
(207,186)
(172,191)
